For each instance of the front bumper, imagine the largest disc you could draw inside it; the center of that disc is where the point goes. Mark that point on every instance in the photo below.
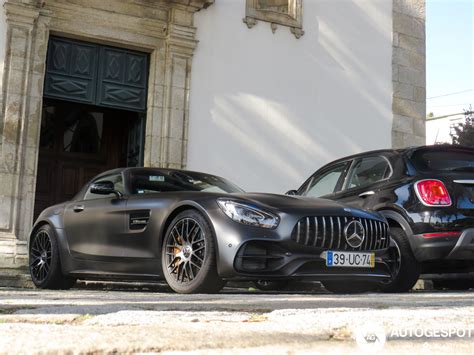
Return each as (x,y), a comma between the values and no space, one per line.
(270,260)
(445,248)
(276,256)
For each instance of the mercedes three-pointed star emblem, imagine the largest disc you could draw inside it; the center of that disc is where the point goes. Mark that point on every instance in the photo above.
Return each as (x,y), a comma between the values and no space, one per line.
(355,233)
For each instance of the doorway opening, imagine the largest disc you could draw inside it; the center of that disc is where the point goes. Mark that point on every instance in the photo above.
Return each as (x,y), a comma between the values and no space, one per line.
(79,141)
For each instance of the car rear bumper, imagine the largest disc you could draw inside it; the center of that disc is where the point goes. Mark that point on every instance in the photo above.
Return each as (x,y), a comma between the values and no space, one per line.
(464,248)
(445,248)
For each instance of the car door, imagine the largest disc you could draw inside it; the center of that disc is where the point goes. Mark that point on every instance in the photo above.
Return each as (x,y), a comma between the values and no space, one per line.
(366,177)
(326,182)
(95,225)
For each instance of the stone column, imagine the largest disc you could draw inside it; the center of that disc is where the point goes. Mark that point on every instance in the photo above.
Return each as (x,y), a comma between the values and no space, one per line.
(27,35)
(167,126)
(409,73)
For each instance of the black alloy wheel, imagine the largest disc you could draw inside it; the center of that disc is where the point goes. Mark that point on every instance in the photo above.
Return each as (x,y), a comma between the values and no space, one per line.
(406,269)
(44,260)
(41,251)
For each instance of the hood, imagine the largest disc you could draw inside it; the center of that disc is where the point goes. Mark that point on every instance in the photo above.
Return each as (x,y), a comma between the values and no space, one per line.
(305,205)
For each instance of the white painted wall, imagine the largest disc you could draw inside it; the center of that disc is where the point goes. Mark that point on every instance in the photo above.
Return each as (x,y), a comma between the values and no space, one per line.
(266,110)
(3,38)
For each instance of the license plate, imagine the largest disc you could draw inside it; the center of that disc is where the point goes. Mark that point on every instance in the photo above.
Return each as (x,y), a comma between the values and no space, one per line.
(349,259)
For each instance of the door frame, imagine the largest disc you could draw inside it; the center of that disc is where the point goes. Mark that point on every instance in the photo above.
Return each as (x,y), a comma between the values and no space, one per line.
(167,35)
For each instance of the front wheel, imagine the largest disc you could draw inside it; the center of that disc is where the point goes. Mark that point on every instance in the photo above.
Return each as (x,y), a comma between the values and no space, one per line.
(189,255)
(405,268)
(44,261)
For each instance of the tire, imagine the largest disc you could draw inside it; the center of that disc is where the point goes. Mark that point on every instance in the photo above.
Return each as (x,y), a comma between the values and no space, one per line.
(188,256)
(44,261)
(341,287)
(406,269)
(455,285)
(265,285)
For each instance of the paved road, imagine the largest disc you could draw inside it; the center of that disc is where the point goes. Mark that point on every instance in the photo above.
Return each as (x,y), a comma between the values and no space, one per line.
(237,321)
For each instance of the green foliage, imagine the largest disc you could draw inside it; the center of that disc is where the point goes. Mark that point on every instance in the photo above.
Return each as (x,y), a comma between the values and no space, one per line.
(463,133)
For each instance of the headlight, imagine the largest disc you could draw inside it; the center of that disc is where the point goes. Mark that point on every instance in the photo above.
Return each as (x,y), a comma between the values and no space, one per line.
(246,214)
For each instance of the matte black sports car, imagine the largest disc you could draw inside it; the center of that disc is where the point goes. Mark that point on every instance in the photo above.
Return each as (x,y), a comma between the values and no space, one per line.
(198,230)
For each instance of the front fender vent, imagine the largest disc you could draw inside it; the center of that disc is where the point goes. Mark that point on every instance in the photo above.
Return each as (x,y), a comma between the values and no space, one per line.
(139,220)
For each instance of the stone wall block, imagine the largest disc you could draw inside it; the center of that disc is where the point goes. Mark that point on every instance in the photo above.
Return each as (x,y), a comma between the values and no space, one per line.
(408,108)
(403,124)
(179,72)
(419,127)
(420,94)
(411,76)
(403,91)
(177,98)
(175,153)
(408,25)
(176,124)
(411,43)
(408,58)
(414,8)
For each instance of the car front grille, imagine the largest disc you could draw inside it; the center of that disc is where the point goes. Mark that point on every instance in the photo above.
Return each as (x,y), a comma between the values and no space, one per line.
(328,233)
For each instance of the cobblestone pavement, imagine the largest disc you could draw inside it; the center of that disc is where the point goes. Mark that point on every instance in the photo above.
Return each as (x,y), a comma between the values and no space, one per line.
(236,321)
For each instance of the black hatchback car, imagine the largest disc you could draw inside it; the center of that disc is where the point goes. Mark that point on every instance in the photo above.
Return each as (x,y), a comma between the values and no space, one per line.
(426,194)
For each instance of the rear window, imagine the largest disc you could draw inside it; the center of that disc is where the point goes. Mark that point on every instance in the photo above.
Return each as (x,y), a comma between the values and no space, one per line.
(443,160)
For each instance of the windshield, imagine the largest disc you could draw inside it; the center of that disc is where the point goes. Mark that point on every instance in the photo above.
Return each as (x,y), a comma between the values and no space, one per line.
(443,160)
(153,181)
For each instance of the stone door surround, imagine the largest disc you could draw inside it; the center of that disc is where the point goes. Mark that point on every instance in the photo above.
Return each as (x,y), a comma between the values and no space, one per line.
(162,28)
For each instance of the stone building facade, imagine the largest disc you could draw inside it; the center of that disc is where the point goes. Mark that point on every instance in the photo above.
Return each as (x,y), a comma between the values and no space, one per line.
(166,31)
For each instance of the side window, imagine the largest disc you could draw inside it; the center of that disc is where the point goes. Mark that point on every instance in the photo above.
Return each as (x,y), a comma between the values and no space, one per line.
(326,183)
(118,185)
(367,171)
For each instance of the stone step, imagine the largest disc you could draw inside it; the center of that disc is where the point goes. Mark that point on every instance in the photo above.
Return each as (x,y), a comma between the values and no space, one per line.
(15,278)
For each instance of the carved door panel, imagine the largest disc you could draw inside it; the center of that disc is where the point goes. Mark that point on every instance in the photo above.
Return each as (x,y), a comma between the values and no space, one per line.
(95,74)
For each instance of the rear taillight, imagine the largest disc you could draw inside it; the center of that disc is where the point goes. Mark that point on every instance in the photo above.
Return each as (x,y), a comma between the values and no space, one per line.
(432,193)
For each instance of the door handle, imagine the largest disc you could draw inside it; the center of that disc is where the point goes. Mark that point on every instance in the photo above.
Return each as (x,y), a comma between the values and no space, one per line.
(366,193)
(78,208)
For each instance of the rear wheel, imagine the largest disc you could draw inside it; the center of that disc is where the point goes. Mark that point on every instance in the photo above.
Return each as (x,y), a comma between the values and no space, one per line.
(265,285)
(189,255)
(349,287)
(44,261)
(405,268)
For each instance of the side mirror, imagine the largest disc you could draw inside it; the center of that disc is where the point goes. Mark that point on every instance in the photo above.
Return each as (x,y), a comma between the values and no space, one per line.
(105,188)
(292,193)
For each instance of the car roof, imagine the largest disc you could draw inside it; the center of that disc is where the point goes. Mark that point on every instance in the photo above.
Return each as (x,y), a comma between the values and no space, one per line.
(408,151)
